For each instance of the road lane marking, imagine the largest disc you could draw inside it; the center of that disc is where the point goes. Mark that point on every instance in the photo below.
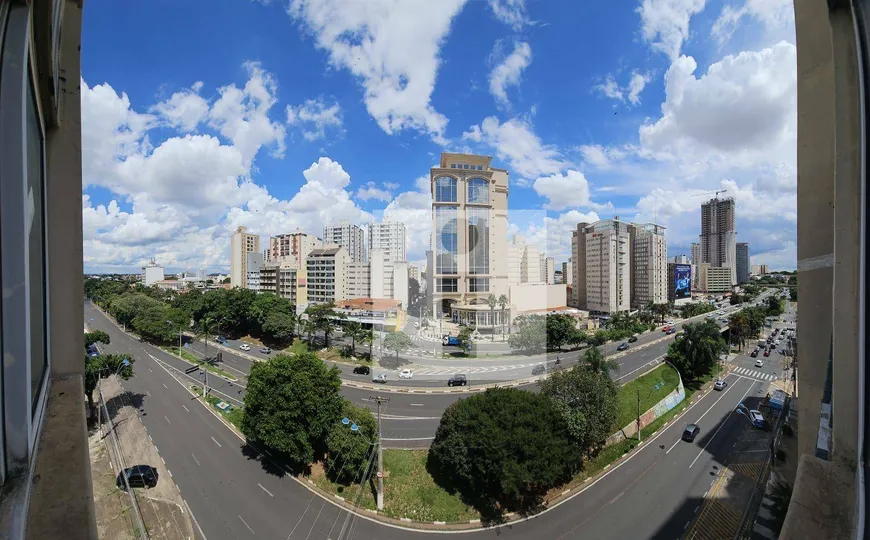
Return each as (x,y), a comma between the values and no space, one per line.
(151,370)
(264,489)
(196,460)
(416,404)
(185,408)
(164,386)
(215,441)
(246,525)
(148,393)
(705,413)
(751,386)
(167,419)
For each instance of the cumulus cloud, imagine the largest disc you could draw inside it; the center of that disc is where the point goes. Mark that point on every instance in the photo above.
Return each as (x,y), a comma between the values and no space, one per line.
(371,191)
(392,47)
(508,71)
(184,110)
(665,23)
(511,12)
(776,16)
(566,190)
(550,233)
(414,209)
(313,117)
(630,92)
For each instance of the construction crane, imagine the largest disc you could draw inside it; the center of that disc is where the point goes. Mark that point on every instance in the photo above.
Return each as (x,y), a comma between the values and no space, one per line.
(716,193)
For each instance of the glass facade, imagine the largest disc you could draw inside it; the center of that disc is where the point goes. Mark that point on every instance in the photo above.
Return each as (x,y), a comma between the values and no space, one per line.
(447,246)
(478,285)
(478,240)
(447,285)
(478,191)
(445,189)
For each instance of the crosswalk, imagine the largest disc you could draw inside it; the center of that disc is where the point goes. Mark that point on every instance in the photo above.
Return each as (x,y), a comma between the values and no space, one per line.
(746,372)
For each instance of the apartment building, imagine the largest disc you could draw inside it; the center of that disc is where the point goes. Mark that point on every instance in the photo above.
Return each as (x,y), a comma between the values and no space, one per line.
(568,271)
(578,273)
(759,269)
(292,247)
(327,274)
(649,265)
(388,237)
(241,244)
(152,273)
(608,266)
(718,235)
(548,269)
(714,279)
(349,236)
(695,253)
(253,264)
(414,273)
(525,263)
(742,262)
(285,280)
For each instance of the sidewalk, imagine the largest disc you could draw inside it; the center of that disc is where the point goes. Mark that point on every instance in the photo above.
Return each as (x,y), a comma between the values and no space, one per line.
(162,508)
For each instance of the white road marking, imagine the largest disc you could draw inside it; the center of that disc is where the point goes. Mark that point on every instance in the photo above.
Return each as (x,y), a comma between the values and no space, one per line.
(672,446)
(167,419)
(196,460)
(185,408)
(246,525)
(215,441)
(705,414)
(411,439)
(721,425)
(151,370)
(266,490)
(416,404)
(164,386)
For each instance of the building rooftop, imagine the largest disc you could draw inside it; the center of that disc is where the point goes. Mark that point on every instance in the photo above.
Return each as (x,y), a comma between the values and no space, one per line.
(368,304)
(324,251)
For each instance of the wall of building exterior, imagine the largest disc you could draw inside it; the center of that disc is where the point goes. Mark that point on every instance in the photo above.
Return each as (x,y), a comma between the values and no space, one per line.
(358,280)
(389,237)
(537,296)
(578,261)
(608,282)
(649,276)
(151,275)
(350,236)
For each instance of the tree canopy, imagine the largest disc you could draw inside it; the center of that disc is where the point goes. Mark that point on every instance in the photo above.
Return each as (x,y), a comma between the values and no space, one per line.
(502,450)
(531,334)
(698,351)
(103,365)
(593,360)
(348,451)
(397,342)
(291,403)
(587,400)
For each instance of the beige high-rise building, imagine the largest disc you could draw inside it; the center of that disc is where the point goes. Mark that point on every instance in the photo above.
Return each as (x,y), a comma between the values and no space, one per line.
(548,269)
(718,235)
(327,274)
(241,244)
(713,279)
(348,235)
(649,273)
(608,266)
(468,253)
(292,247)
(567,272)
(578,261)
(388,237)
(525,263)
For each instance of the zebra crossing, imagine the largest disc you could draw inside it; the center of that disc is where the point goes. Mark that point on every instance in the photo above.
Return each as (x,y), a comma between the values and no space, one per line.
(746,372)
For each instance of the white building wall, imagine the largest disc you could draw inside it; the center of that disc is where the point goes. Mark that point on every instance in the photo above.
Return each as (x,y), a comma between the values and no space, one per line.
(151,274)
(389,237)
(537,296)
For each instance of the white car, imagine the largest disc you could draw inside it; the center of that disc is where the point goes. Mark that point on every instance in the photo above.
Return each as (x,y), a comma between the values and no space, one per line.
(245,347)
(416,325)
(406,374)
(759,363)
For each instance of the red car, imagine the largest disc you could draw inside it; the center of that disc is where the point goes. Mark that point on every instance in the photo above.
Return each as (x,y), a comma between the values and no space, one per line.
(666,328)
(766,353)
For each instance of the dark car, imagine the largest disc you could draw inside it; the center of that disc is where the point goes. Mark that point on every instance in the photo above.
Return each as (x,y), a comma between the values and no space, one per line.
(754,353)
(222,340)
(539,369)
(265,350)
(766,353)
(632,339)
(362,370)
(691,432)
(622,347)
(671,330)
(457,380)
(138,476)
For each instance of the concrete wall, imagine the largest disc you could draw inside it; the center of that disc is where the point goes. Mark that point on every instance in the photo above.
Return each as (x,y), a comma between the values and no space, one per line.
(659,409)
(537,296)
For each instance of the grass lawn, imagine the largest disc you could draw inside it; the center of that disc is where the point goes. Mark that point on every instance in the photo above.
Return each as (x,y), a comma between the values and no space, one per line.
(234,414)
(664,376)
(190,357)
(409,491)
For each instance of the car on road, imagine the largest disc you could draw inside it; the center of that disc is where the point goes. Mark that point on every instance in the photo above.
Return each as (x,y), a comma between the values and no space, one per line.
(720,385)
(380,378)
(457,380)
(757,419)
(760,362)
(265,350)
(622,346)
(539,369)
(666,328)
(754,354)
(406,374)
(362,370)
(222,340)
(766,352)
(632,339)
(691,432)
(144,476)
(416,325)
(670,331)
(245,347)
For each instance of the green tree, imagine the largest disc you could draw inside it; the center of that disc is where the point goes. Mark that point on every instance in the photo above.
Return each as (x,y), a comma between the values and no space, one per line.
(588,401)
(594,361)
(104,365)
(324,316)
(465,343)
(279,326)
(267,303)
(349,451)
(503,303)
(159,322)
(226,281)
(774,306)
(560,330)
(792,294)
(492,301)
(502,450)
(397,342)
(699,350)
(531,334)
(291,403)
(738,326)
(354,331)
(735,299)
(97,336)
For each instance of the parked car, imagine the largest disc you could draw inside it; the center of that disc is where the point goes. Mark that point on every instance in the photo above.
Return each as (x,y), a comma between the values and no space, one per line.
(245,347)
(691,432)
(539,369)
(622,346)
(406,374)
(362,370)
(760,362)
(265,350)
(757,419)
(720,385)
(457,380)
(766,353)
(754,353)
(632,339)
(144,476)
(381,378)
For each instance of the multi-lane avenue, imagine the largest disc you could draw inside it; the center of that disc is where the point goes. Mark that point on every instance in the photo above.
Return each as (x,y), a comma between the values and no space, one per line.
(234,494)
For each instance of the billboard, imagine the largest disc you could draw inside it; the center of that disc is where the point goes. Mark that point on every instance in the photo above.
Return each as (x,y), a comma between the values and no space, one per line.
(682,281)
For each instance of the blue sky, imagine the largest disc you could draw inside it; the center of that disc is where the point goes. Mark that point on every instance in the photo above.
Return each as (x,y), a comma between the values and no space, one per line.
(198,118)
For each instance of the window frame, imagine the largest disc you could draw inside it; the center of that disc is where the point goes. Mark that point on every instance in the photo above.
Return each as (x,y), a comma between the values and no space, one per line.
(23,407)
(437,187)
(477,184)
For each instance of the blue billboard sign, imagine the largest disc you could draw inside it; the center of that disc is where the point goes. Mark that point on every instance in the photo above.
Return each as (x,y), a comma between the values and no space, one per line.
(682,281)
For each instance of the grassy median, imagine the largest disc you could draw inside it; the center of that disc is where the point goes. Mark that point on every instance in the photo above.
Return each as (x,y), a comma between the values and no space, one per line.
(193,359)
(652,388)
(233,415)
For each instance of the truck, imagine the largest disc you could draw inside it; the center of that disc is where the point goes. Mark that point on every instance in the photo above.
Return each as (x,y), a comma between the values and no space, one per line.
(450,340)
(776,402)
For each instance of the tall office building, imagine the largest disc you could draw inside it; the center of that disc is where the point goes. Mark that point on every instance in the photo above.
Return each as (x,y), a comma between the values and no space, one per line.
(526,264)
(578,261)
(292,247)
(567,272)
(389,237)
(467,261)
(253,265)
(649,273)
(680,259)
(695,254)
(718,235)
(241,244)
(742,262)
(327,274)
(608,266)
(348,235)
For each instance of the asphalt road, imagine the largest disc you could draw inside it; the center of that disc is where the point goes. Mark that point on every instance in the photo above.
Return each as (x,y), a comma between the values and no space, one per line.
(233,493)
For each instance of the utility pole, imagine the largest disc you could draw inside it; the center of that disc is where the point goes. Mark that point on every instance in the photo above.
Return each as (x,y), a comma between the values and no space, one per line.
(380,400)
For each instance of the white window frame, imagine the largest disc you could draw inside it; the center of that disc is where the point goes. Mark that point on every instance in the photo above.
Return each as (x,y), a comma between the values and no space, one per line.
(23,409)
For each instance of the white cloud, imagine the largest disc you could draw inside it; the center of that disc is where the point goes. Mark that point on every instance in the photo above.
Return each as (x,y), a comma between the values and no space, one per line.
(414,209)
(631,92)
(777,16)
(184,110)
(508,72)
(392,47)
(316,115)
(566,190)
(610,89)
(511,12)
(551,235)
(516,142)
(391,185)
(665,23)
(635,87)
(370,191)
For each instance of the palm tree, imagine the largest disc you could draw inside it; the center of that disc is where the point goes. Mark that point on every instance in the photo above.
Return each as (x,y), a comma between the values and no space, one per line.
(503,302)
(596,362)
(491,301)
(701,346)
(738,324)
(353,330)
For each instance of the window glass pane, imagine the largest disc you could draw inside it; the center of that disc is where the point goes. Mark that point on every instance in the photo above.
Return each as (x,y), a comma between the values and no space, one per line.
(446,249)
(445,189)
(478,191)
(36,243)
(478,240)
